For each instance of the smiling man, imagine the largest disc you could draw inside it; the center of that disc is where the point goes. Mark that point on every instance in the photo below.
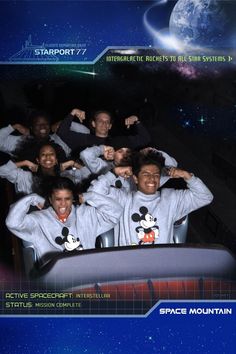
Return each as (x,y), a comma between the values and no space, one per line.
(148,214)
(101,123)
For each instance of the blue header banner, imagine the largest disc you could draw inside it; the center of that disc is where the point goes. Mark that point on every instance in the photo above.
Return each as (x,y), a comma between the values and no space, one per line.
(55,32)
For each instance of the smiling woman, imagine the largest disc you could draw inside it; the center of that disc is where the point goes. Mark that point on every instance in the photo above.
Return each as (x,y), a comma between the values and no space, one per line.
(47,159)
(62,227)
(30,176)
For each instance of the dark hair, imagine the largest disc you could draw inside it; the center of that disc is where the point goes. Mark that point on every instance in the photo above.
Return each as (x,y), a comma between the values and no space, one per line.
(53,183)
(126,160)
(151,158)
(29,149)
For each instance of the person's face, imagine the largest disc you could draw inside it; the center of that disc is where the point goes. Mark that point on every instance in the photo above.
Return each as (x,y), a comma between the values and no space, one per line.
(47,157)
(121,155)
(61,200)
(148,179)
(102,125)
(41,128)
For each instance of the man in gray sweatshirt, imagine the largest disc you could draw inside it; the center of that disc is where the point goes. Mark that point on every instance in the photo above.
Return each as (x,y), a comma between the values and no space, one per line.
(62,226)
(148,214)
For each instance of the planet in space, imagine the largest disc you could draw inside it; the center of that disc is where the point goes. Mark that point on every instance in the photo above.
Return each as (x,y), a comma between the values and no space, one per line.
(204,24)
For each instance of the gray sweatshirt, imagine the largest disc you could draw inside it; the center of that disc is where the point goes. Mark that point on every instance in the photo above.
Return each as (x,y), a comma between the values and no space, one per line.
(148,219)
(91,157)
(23,180)
(92,160)
(8,142)
(50,236)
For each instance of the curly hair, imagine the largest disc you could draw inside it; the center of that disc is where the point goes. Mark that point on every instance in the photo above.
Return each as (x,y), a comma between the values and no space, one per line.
(29,149)
(151,158)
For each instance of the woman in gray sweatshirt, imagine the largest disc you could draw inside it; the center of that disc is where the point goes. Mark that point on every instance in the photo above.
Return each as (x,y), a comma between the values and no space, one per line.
(62,227)
(46,164)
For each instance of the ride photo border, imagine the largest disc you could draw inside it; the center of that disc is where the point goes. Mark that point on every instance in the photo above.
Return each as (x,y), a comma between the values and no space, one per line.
(180,82)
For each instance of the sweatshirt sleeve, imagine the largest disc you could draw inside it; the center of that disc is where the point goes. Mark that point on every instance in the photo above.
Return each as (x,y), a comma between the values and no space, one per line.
(20,178)
(91,159)
(54,137)
(74,139)
(19,222)
(105,185)
(8,142)
(104,211)
(169,160)
(79,128)
(77,175)
(196,196)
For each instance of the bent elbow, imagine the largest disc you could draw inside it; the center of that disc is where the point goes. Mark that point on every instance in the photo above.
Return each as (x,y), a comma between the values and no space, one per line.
(10,223)
(209,198)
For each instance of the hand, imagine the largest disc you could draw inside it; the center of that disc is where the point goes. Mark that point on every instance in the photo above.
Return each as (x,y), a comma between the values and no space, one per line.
(124,172)
(130,121)
(40,206)
(66,164)
(33,167)
(81,199)
(70,163)
(21,129)
(175,172)
(77,165)
(79,114)
(146,150)
(55,126)
(108,153)
(141,234)
(156,231)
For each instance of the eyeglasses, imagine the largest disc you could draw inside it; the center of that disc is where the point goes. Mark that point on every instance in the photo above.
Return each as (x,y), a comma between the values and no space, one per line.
(103,123)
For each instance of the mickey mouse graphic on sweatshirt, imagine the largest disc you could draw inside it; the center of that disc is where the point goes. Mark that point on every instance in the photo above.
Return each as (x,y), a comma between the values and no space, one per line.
(70,242)
(98,214)
(156,224)
(148,231)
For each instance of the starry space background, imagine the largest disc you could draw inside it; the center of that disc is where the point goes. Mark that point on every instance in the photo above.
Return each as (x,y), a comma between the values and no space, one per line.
(91,22)
(155,334)
(67,22)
